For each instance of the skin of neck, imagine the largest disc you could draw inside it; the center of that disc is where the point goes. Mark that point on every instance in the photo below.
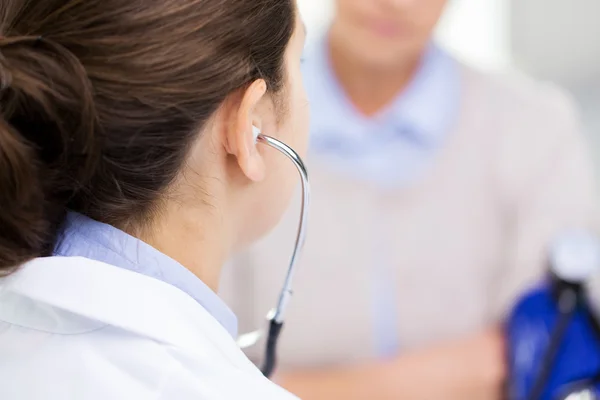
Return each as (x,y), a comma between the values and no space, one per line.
(369,87)
(194,238)
(196,222)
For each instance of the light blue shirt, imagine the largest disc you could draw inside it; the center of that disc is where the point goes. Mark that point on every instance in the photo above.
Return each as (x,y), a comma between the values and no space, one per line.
(85,237)
(394,147)
(390,150)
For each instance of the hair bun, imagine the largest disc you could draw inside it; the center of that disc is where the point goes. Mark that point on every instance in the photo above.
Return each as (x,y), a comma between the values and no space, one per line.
(22,223)
(47,117)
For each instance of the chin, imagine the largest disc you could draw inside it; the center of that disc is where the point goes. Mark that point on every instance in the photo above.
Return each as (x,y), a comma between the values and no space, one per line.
(383,54)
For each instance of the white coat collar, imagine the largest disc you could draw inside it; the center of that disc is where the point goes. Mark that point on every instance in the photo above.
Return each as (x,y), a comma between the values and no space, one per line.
(82,236)
(125,299)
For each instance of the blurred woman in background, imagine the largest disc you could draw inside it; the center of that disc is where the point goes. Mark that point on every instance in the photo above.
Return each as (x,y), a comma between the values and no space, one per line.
(436,190)
(129,171)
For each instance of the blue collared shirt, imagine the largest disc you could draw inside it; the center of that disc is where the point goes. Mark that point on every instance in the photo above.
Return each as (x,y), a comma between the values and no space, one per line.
(85,237)
(393,148)
(390,150)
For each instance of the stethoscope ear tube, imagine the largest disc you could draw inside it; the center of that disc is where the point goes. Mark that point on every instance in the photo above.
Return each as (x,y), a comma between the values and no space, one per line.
(277,316)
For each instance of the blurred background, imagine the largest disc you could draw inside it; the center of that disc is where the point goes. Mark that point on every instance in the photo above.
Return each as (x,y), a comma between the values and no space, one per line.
(429,264)
(554,40)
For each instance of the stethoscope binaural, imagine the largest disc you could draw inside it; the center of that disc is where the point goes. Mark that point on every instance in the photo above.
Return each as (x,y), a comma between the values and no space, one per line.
(276,316)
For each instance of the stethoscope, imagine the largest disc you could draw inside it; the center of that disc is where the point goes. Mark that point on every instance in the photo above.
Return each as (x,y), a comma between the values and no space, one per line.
(574,259)
(276,316)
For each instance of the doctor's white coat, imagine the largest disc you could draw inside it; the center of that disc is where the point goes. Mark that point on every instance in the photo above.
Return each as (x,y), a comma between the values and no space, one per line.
(72,328)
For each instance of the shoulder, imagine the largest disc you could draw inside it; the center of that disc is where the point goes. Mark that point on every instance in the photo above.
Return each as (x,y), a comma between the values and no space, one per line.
(112,364)
(526,100)
(527,125)
(211,380)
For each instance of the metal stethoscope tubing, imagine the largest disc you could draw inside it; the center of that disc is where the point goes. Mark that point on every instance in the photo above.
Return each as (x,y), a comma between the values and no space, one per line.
(276,316)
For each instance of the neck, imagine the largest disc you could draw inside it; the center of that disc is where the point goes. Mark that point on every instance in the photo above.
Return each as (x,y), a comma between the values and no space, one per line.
(181,234)
(369,87)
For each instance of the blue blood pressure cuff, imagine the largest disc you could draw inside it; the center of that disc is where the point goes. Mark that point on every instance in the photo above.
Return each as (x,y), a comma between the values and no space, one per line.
(552,354)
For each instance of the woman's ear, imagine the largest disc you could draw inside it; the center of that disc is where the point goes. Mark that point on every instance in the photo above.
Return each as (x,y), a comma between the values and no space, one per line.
(241,140)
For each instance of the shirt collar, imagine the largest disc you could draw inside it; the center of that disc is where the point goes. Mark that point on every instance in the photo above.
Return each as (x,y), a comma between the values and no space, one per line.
(85,237)
(427,108)
(430,102)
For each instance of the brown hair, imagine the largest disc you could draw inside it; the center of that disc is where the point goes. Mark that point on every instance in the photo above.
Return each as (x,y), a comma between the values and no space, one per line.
(100,100)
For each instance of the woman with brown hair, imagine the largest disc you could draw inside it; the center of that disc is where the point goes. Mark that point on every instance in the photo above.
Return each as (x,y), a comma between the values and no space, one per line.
(128,173)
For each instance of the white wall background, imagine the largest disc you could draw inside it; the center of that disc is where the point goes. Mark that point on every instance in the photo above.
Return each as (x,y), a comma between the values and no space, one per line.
(316,14)
(478,32)
(557,39)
